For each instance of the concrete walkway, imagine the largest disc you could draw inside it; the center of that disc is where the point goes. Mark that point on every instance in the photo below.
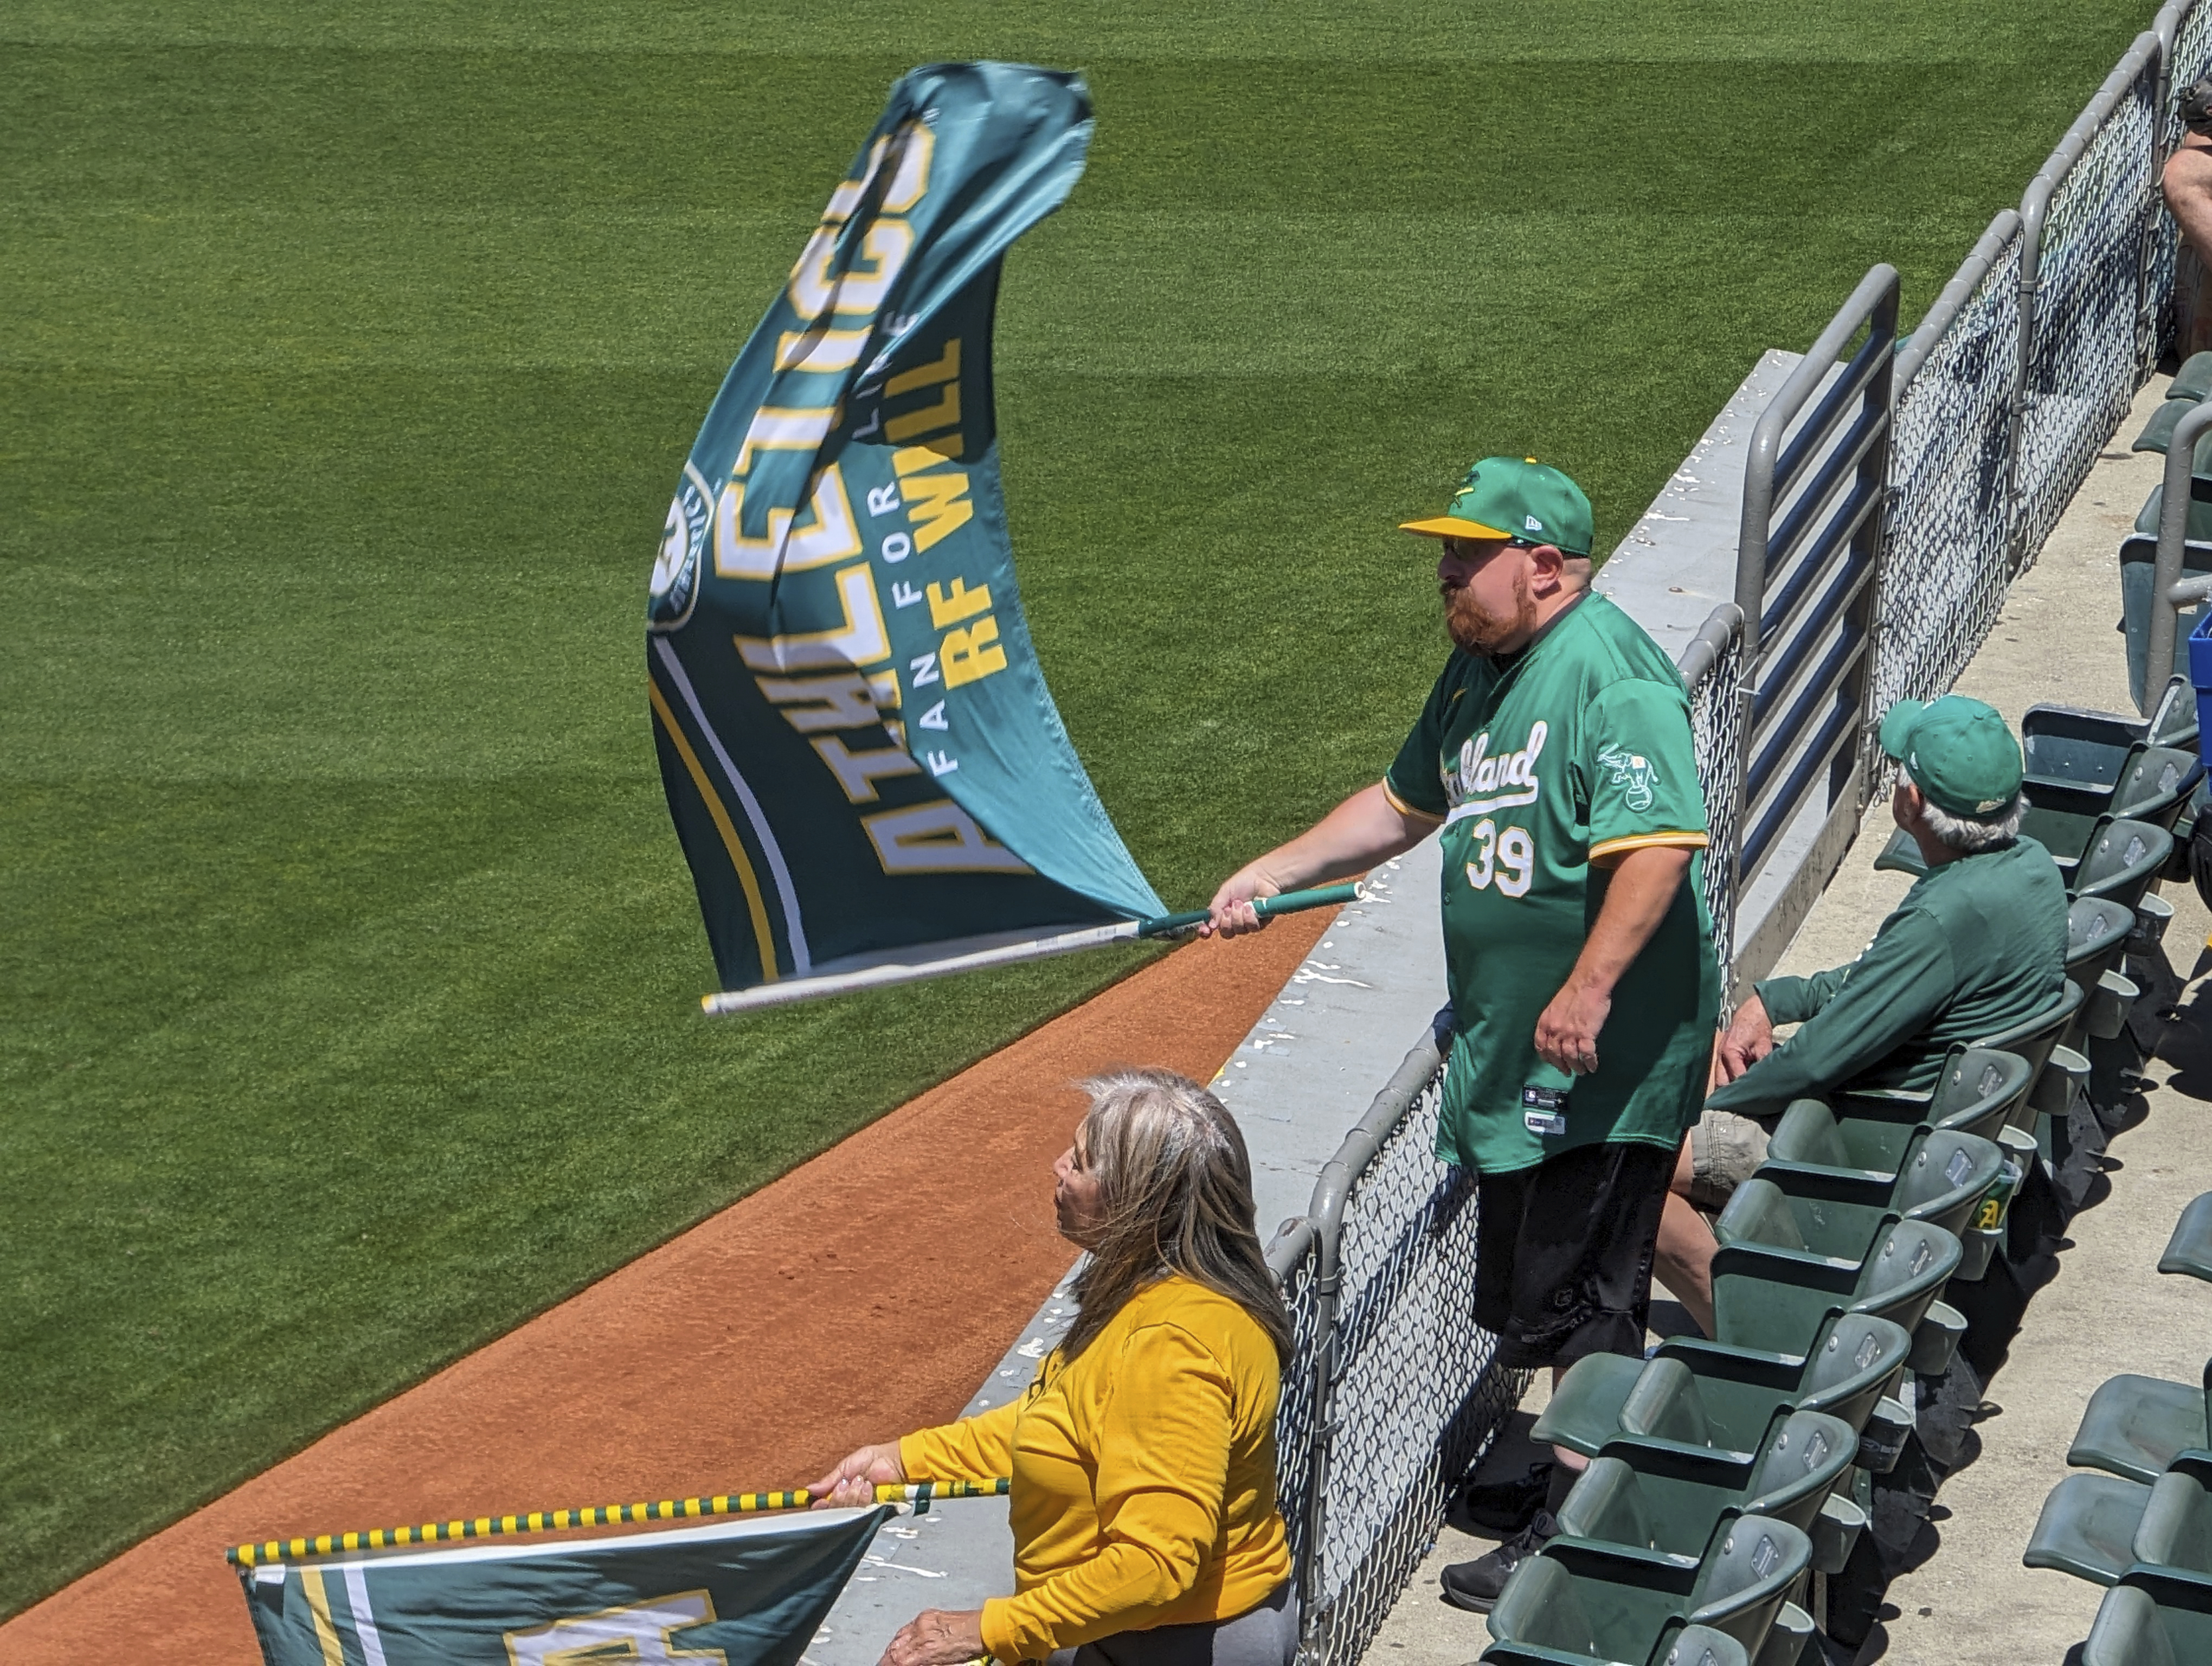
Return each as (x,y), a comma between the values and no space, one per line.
(1970,1603)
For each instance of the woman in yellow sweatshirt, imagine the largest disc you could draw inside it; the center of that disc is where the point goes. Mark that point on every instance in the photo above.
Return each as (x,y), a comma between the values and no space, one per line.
(1143,1457)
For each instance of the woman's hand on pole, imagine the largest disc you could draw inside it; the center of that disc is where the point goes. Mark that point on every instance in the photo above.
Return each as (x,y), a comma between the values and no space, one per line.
(854,1480)
(936,1637)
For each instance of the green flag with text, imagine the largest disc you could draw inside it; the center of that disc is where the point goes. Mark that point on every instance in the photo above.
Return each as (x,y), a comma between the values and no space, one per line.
(861,754)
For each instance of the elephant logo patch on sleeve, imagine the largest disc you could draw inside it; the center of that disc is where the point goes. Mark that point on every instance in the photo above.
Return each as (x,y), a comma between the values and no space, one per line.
(1632,773)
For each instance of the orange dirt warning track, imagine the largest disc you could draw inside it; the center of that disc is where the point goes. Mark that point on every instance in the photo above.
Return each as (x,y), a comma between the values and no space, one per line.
(752,1351)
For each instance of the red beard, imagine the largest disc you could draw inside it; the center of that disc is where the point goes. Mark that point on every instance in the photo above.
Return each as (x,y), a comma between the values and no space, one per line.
(1477,629)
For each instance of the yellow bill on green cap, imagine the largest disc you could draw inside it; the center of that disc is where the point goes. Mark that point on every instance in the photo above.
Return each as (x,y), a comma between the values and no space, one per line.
(1516,498)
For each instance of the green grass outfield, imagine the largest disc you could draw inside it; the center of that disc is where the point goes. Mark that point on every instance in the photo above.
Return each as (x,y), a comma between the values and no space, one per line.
(347,960)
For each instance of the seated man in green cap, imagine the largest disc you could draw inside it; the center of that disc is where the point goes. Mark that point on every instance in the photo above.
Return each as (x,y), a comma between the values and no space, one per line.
(1978,945)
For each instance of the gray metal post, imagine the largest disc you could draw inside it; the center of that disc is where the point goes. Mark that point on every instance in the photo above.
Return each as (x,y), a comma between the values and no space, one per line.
(2172,535)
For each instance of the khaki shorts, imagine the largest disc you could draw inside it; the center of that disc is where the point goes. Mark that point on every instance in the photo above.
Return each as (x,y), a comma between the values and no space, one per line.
(1725,1151)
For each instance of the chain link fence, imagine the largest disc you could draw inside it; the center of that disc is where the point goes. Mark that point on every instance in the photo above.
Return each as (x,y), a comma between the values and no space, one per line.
(1712,670)
(2086,229)
(1945,541)
(1391,1396)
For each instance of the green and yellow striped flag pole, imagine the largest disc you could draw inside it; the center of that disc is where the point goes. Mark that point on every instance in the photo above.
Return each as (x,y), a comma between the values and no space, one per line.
(919,1494)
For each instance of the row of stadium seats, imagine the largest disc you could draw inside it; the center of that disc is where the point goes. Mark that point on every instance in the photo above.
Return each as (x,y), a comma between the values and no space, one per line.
(2142,1527)
(1731,1478)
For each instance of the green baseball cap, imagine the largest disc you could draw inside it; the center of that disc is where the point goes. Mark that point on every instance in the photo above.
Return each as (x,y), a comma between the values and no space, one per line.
(1516,498)
(1958,751)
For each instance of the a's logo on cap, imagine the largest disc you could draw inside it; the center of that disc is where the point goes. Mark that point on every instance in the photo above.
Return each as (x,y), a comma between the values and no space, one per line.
(1533,524)
(1984,805)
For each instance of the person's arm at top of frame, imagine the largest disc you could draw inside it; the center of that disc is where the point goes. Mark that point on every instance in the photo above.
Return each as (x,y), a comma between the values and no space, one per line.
(2188,185)
(1636,898)
(1369,827)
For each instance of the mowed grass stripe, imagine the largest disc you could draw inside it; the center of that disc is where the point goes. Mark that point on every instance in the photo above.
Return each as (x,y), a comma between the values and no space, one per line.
(426,133)
(346,958)
(1428,30)
(1106,292)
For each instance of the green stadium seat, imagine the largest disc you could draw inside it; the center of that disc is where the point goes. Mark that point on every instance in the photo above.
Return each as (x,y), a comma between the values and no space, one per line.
(1780,1300)
(2190,1249)
(2172,721)
(2138,562)
(2037,1039)
(1976,1093)
(2071,746)
(2087,1527)
(1677,1499)
(2157,434)
(2135,1426)
(2097,931)
(1839,1210)
(2193,381)
(2096,1527)
(2122,858)
(1584,1410)
(1586,1601)
(2175,1533)
(2154,783)
(1702,1393)
(2187,390)
(1899,854)
(1694,1645)
(2148,1620)
(2199,530)
(1809,1133)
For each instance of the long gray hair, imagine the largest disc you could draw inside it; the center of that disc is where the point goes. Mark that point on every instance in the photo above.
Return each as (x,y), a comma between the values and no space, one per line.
(1176,1184)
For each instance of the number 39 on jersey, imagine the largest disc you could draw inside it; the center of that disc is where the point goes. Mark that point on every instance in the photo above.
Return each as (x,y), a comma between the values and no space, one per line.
(1507,859)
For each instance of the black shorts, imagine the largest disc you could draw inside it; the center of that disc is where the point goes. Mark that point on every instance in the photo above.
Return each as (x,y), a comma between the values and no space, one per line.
(1563,1253)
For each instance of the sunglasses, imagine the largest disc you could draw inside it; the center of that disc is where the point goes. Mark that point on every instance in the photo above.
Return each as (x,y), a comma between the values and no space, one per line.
(1462,549)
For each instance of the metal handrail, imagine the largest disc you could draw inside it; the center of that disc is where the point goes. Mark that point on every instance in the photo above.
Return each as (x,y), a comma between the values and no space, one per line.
(2172,536)
(1711,641)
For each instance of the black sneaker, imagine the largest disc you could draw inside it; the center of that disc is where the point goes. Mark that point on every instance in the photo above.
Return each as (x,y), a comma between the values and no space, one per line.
(1476,1585)
(1500,1509)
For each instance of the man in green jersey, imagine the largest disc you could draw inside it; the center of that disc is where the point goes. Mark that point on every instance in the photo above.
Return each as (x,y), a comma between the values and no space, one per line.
(1977,946)
(1555,753)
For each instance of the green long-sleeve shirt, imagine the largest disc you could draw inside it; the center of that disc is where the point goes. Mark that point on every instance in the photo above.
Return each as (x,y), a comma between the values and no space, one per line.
(1976,947)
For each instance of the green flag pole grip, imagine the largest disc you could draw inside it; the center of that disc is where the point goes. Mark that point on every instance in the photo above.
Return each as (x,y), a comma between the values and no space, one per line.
(919,1494)
(1290,902)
